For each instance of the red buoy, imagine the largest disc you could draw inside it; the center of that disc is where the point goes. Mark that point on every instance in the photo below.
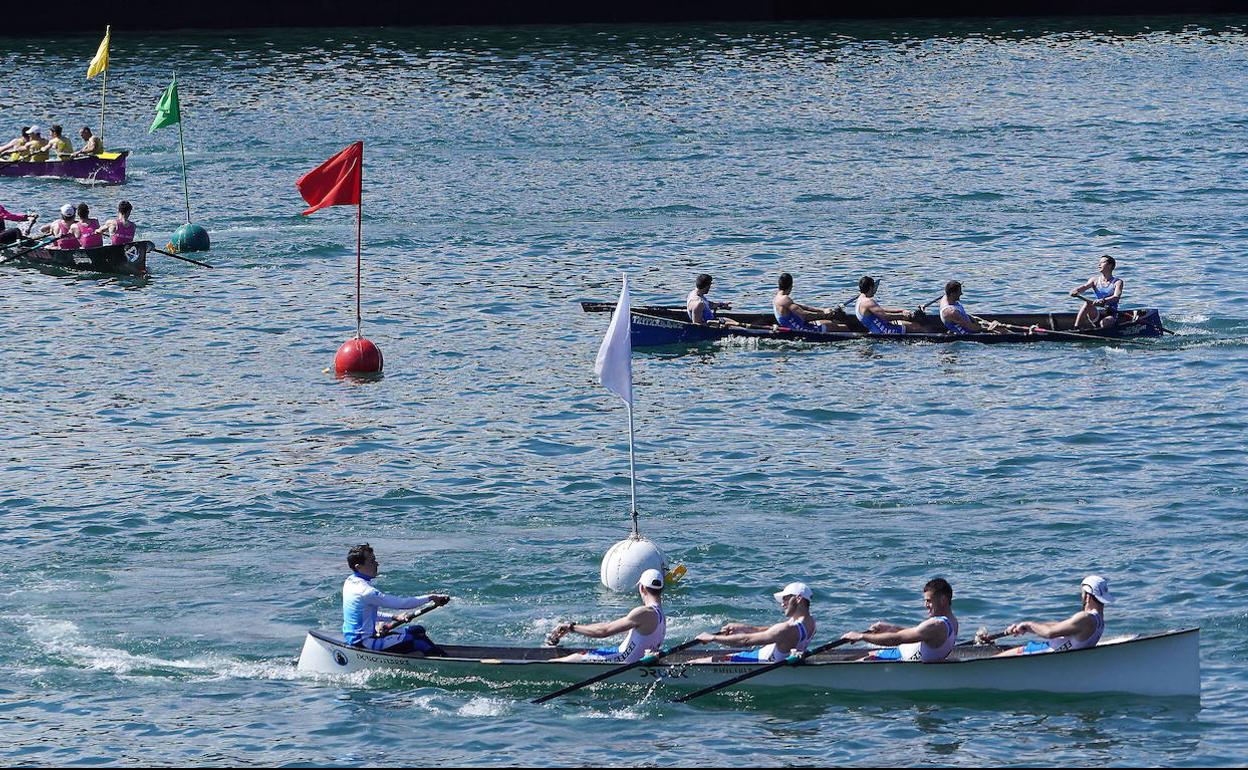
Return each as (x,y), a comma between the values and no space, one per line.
(357,356)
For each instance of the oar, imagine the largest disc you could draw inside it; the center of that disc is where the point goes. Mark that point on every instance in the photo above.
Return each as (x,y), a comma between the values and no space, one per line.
(38,245)
(387,628)
(645,660)
(179,256)
(30,222)
(979,641)
(926,305)
(792,660)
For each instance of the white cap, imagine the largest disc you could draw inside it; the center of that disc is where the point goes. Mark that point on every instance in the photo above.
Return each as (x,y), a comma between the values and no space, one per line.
(1098,587)
(793,589)
(34,130)
(68,210)
(652,579)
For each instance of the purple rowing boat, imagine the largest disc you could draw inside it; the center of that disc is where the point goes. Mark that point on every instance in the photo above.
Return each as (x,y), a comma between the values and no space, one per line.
(105,168)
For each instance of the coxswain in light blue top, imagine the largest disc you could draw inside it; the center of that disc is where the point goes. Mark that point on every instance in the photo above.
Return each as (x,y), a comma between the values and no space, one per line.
(1081,630)
(928,642)
(773,643)
(361,603)
(644,628)
(792,315)
(1103,311)
(954,316)
(878,319)
(701,308)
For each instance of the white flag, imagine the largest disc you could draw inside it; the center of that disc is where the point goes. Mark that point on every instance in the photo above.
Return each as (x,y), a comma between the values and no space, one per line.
(614,365)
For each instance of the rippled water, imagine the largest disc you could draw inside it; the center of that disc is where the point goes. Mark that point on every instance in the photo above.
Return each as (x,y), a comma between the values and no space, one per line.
(181,478)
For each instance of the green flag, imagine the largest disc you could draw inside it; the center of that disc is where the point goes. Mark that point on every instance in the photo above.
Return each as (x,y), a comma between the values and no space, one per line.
(168,110)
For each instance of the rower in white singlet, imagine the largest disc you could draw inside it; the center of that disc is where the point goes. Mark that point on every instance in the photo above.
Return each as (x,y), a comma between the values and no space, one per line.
(644,628)
(1107,288)
(930,641)
(1083,629)
(772,643)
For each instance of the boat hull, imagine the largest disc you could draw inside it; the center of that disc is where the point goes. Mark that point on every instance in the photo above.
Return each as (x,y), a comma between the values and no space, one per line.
(126,259)
(661,326)
(107,168)
(1166,664)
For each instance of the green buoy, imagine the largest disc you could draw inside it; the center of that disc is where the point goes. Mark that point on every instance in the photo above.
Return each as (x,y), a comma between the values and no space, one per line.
(190,237)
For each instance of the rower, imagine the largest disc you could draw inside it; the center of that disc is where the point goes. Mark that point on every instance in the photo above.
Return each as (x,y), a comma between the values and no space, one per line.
(92,145)
(10,235)
(59,145)
(646,627)
(1103,311)
(701,308)
(793,315)
(36,146)
(954,316)
(360,604)
(878,319)
(930,641)
(17,144)
(87,229)
(63,228)
(120,227)
(1083,629)
(773,643)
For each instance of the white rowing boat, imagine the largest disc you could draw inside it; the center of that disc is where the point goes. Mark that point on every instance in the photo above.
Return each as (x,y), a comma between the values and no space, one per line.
(1163,664)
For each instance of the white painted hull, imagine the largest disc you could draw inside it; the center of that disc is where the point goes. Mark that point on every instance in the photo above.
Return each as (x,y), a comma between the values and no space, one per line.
(1166,664)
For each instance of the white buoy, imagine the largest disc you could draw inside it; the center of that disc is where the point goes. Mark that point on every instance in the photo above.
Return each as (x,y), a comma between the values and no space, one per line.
(624,562)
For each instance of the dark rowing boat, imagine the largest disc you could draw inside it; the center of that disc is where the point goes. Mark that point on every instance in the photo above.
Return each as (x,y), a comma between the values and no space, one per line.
(105,168)
(126,259)
(656,325)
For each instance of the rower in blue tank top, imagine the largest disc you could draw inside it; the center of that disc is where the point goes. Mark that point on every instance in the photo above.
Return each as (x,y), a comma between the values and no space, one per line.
(772,643)
(701,308)
(930,641)
(878,319)
(793,315)
(1079,631)
(954,316)
(1103,311)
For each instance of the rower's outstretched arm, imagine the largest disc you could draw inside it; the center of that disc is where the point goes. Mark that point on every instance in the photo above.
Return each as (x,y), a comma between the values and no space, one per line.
(781,633)
(1079,625)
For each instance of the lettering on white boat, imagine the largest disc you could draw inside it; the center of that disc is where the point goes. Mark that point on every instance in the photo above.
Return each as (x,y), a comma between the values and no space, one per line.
(651,321)
(664,673)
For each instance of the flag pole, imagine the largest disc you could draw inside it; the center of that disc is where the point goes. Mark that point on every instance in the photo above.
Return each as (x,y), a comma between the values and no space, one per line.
(186,189)
(359,226)
(103,90)
(632,472)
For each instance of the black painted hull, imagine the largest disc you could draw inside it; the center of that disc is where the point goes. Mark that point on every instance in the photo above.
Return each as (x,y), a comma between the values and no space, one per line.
(657,326)
(127,259)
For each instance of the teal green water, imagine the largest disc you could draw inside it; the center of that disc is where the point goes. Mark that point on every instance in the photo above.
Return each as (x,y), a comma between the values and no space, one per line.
(181,479)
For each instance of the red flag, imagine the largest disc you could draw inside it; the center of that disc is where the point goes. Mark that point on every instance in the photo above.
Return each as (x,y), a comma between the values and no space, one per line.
(336,182)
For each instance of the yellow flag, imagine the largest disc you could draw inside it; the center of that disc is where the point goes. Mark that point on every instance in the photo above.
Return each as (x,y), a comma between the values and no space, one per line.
(100,62)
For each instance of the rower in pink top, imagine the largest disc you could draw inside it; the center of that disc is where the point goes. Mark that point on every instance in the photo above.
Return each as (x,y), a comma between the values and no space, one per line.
(86,229)
(62,228)
(120,228)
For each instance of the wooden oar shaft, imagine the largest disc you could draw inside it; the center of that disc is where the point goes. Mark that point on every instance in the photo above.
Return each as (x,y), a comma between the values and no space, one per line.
(789,661)
(179,256)
(644,661)
(390,627)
